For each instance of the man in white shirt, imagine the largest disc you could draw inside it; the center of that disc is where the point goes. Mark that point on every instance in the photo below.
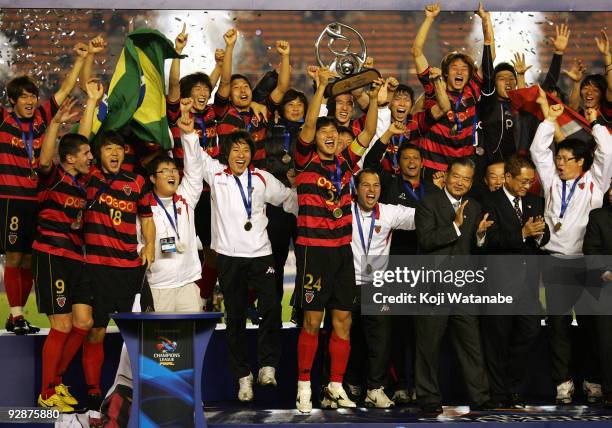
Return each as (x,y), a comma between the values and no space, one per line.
(373,225)
(572,188)
(239,194)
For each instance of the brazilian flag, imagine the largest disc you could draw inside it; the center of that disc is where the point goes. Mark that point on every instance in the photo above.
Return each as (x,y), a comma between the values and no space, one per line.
(136,94)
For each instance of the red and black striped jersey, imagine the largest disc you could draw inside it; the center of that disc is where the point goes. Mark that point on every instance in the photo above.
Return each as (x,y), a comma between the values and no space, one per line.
(129,158)
(357,125)
(318,195)
(61,200)
(230,120)
(205,126)
(113,205)
(416,126)
(16,178)
(440,144)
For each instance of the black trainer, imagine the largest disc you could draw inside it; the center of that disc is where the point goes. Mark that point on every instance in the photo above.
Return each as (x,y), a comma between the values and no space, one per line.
(9,325)
(22,326)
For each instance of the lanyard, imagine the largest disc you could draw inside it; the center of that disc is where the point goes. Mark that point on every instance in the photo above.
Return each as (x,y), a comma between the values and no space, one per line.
(101,190)
(248,125)
(396,151)
(74,180)
(29,141)
(286,140)
(174,223)
(565,202)
(408,188)
(337,178)
(366,250)
(248,203)
(455,115)
(202,126)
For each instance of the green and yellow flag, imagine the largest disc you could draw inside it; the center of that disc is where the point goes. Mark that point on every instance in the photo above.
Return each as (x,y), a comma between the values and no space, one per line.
(136,94)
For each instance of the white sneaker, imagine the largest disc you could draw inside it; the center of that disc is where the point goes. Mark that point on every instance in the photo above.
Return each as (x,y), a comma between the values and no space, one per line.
(267,376)
(245,393)
(377,398)
(335,392)
(565,391)
(592,391)
(402,396)
(303,402)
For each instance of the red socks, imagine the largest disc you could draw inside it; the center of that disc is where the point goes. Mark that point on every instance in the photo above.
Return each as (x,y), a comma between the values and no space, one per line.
(73,344)
(25,285)
(208,281)
(12,285)
(93,357)
(306,351)
(339,350)
(51,355)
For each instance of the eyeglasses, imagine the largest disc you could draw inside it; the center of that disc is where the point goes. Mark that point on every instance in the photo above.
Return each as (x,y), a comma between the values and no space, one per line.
(167,171)
(562,159)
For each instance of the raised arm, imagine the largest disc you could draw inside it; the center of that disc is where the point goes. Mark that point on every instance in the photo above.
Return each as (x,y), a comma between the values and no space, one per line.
(559,42)
(443,104)
(602,158)
(216,73)
(191,184)
(230,38)
(576,73)
(420,61)
(603,44)
(95,92)
(307,133)
(488,54)
(365,136)
(521,67)
(95,46)
(174,89)
(80,49)
(49,145)
(284,72)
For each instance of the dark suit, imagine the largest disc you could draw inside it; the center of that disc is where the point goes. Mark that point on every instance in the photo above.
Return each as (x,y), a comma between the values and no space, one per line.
(437,235)
(597,247)
(507,338)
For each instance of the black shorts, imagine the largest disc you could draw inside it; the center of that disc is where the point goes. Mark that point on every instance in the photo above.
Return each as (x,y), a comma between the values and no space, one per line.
(60,283)
(113,290)
(325,278)
(202,219)
(17,225)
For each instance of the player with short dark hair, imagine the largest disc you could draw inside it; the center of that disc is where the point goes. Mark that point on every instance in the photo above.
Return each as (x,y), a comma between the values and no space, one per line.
(21,134)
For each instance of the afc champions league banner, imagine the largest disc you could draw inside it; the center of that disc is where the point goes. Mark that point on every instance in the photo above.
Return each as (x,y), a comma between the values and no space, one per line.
(167,374)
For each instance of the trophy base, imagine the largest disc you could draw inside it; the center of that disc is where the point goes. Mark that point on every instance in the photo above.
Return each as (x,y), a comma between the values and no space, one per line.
(348,84)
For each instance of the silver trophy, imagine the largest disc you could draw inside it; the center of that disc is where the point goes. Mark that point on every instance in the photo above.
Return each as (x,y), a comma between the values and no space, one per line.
(347,64)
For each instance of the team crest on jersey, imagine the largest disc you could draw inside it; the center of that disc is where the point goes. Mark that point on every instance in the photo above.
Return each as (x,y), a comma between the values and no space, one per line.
(309,296)
(127,190)
(61,301)
(12,238)
(255,121)
(377,229)
(581,185)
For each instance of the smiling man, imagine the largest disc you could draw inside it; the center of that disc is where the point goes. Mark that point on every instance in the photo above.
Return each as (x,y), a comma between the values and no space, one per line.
(21,134)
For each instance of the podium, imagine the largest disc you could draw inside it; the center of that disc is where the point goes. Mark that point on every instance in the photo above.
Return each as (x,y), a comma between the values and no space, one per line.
(166,352)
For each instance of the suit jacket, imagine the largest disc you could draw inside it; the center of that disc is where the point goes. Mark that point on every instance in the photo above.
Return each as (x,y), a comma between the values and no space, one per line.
(436,233)
(505,234)
(513,274)
(597,244)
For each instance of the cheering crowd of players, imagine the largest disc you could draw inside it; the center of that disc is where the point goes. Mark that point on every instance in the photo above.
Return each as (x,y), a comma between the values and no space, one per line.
(261,170)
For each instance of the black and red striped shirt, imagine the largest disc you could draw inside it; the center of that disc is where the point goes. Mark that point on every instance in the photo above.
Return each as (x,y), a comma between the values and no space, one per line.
(113,205)
(229,119)
(205,126)
(16,179)
(317,195)
(61,200)
(438,144)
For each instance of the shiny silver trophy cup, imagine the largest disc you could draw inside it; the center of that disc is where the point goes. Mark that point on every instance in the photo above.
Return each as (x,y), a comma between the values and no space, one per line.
(346,63)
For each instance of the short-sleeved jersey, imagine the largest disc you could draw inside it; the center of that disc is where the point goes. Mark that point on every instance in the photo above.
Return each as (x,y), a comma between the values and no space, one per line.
(113,205)
(16,178)
(318,195)
(440,145)
(62,200)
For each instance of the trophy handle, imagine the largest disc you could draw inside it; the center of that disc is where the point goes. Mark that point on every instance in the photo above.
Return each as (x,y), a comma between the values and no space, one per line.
(334,32)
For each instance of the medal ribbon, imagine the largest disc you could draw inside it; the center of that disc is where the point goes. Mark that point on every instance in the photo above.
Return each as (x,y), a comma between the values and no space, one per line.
(202,125)
(248,203)
(28,142)
(101,190)
(337,179)
(396,151)
(565,202)
(366,250)
(174,223)
(455,115)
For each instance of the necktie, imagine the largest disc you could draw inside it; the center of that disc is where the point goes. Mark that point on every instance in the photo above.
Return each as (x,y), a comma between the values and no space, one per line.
(517,209)
(456,205)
